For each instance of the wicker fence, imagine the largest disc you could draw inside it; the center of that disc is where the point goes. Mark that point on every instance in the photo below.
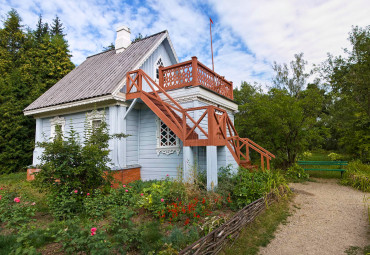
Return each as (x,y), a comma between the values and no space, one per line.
(230,230)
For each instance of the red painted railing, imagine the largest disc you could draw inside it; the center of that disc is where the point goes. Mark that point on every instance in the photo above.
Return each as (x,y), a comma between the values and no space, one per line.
(197,126)
(194,73)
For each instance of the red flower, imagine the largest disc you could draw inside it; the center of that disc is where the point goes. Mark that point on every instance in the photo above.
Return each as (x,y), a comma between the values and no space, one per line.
(187,221)
(17,200)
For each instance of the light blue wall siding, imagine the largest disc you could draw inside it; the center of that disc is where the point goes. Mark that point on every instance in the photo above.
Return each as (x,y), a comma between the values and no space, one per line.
(76,120)
(154,166)
(149,64)
(132,127)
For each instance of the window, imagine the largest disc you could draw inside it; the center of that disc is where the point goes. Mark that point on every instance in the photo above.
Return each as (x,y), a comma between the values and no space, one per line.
(94,119)
(157,64)
(96,123)
(167,141)
(55,124)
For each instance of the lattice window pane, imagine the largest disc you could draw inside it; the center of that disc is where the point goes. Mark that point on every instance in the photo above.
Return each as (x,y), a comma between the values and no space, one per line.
(167,136)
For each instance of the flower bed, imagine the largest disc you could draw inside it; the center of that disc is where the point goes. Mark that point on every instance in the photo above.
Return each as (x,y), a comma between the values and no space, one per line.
(140,217)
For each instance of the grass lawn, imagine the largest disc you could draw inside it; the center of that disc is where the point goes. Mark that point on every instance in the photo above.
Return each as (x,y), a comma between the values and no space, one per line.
(18,183)
(261,231)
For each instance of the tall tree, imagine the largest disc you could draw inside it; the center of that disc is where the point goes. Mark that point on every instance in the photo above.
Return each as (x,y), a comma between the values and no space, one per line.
(349,80)
(41,29)
(283,120)
(294,79)
(57,27)
(30,63)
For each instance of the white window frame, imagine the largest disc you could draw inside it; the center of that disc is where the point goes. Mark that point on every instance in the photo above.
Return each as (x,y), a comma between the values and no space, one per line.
(60,121)
(156,66)
(167,150)
(94,115)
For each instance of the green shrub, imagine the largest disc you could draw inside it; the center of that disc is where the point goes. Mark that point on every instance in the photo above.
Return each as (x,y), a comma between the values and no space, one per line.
(77,238)
(150,238)
(357,176)
(179,238)
(31,238)
(69,165)
(96,204)
(249,187)
(296,173)
(16,211)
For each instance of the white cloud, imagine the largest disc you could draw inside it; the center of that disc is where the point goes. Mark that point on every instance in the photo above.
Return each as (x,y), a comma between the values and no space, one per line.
(276,30)
(248,35)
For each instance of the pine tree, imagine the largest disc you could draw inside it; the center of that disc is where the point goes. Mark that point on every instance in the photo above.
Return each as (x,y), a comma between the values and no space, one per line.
(30,63)
(57,27)
(42,29)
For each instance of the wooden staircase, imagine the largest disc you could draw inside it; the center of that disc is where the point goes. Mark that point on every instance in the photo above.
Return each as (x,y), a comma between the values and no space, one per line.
(220,129)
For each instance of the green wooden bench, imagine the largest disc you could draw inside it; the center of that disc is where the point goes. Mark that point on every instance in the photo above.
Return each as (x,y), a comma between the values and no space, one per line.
(340,164)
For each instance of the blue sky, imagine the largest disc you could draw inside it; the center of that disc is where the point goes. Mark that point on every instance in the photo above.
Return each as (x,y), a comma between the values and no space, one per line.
(248,35)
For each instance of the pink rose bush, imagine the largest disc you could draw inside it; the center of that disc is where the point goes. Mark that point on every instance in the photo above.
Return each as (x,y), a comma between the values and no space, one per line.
(93,231)
(17,200)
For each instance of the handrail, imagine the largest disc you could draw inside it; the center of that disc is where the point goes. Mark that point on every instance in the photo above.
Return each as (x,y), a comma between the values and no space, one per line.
(221,130)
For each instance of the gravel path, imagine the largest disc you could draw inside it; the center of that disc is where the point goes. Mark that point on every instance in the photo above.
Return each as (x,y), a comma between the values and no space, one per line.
(327,218)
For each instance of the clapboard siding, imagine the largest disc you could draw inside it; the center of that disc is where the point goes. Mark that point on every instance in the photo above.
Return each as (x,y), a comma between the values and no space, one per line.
(154,166)
(149,64)
(133,140)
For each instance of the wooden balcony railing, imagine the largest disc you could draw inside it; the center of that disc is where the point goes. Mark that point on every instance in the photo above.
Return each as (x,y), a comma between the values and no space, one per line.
(194,73)
(197,126)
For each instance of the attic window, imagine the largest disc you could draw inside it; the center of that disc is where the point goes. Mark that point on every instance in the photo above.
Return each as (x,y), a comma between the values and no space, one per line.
(167,141)
(158,63)
(56,123)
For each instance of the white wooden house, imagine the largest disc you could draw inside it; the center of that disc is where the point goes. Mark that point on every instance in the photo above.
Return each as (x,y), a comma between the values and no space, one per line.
(178,115)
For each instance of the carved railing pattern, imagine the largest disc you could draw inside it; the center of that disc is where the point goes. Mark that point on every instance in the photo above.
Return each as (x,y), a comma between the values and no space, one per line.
(213,81)
(177,76)
(194,73)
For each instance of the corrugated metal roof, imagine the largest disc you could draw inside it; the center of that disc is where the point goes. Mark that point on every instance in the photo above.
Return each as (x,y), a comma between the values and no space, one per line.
(98,75)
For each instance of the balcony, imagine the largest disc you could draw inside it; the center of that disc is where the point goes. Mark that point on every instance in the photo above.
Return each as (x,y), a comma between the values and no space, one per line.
(194,73)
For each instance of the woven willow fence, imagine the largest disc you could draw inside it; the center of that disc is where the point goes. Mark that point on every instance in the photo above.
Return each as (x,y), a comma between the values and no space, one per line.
(230,230)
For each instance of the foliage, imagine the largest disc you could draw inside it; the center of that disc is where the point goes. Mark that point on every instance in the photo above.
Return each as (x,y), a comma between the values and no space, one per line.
(16,211)
(334,156)
(179,238)
(357,176)
(159,193)
(31,238)
(30,63)
(349,81)
(296,173)
(77,238)
(285,124)
(251,186)
(71,169)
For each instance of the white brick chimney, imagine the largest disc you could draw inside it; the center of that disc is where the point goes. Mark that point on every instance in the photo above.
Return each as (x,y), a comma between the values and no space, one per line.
(123,38)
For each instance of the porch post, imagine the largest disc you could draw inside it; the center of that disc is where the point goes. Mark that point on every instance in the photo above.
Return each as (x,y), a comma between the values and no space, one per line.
(38,137)
(188,164)
(121,128)
(212,177)
(112,123)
